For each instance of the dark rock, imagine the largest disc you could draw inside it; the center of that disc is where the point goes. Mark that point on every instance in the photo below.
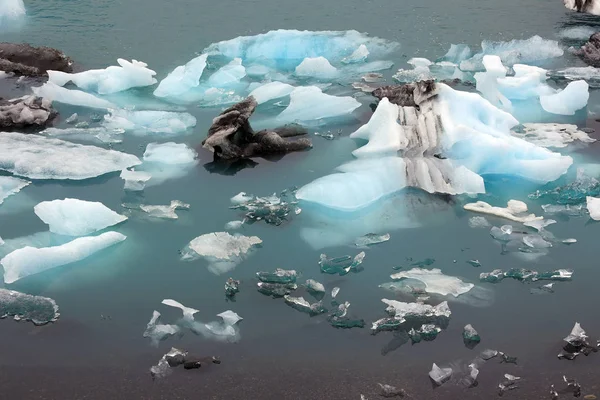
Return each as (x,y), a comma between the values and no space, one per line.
(409,95)
(590,52)
(197,362)
(25,112)
(232,137)
(24,59)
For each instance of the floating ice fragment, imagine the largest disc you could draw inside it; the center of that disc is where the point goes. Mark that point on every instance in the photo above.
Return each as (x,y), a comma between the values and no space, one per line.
(334,292)
(508,384)
(72,119)
(341,265)
(427,332)
(572,193)
(135,180)
(172,359)
(526,275)
(222,250)
(552,135)
(339,317)
(474,263)
(276,289)
(574,97)
(590,74)
(29,260)
(544,289)
(304,306)
(315,287)
(233,225)
(158,332)
(539,224)
(37,309)
(273,210)
(515,211)
(478,222)
(270,91)
(359,55)
(112,79)
(231,287)
(440,375)
(73,217)
(10,186)
(241,198)
(53,92)
(593,206)
(576,344)
(470,336)
(579,32)
(95,134)
(188,312)
(169,153)
(456,54)
(391,391)
(435,281)
(318,67)
(182,78)
(149,122)
(37,157)
(411,312)
(165,212)
(371,239)
(279,276)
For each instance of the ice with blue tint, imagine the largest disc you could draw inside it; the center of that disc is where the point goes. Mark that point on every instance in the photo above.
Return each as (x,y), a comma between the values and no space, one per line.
(164,161)
(149,123)
(423,69)
(287,48)
(30,260)
(228,74)
(359,55)
(10,186)
(37,157)
(10,12)
(574,97)
(74,217)
(112,79)
(456,54)
(316,67)
(309,103)
(51,91)
(270,91)
(182,78)
(581,32)
(525,51)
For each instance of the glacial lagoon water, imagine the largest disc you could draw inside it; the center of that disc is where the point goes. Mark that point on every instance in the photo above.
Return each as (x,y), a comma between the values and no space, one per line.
(96,349)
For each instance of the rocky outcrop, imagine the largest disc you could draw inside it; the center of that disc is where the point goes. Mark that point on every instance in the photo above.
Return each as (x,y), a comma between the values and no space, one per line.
(231,136)
(24,59)
(590,52)
(25,112)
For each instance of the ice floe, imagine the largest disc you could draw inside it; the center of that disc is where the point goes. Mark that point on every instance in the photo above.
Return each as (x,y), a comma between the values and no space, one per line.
(148,122)
(435,281)
(51,91)
(270,91)
(182,78)
(10,186)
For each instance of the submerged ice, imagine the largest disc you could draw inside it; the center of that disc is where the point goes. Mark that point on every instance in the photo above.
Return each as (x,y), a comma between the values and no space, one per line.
(10,186)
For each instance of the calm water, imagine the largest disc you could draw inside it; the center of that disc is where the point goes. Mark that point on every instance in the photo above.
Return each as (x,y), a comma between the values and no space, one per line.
(283,354)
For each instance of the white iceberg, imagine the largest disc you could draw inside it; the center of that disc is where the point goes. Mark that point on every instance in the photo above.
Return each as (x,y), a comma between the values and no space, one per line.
(10,186)
(37,157)
(169,153)
(515,210)
(135,180)
(227,75)
(51,91)
(30,260)
(222,250)
(73,217)
(435,281)
(383,132)
(182,78)
(317,67)
(270,91)
(573,98)
(110,80)
(359,55)
(304,101)
(593,206)
(147,122)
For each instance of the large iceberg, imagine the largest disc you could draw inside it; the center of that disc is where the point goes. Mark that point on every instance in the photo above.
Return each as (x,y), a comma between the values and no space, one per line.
(10,186)
(182,78)
(112,79)
(147,122)
(287,48)
(73,217)
(37,157)
(51,91)
(30,260)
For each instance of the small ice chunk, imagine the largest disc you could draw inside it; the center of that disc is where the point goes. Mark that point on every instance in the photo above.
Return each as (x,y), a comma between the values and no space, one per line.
(440,375)
(230,318)
(165,212)
(456,54)
(10,186)
(334,292)
(30,260)
(536,242)
(539,224)
(241,198)
(470,335)
(574,97)
(74,217)
(279,276)
(135,180)
(276,289)
(552,135)
(231,287)
(577,335)
(593,206)
(391,391)
(270,91)
(371,239)
(188,312)
(300,304)
(579,32)
(38,157)
(72,119)
(341,265)
(158,332)
(182,78)
(37,309)
(515,210)
(317,67)
(169,153)
(359,55)
(315,287)
(53,92)
(222,250)
(383,132)
(172,359)
(479,222)
(435,281)
(233,225)
(110,80)
(149,122)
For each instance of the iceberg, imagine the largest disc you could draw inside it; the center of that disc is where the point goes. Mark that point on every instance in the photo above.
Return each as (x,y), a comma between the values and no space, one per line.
(593,206)
(574,97)
(287,48)
(435,281)
(169,153)
(401,313)
(158,332)
(270,91)
(384,134)
(165,212)
(303,101)
(110,80)
(37,309)
(149,123)
(440,375)
(318,67)
(515,210)
(222,250)
(36,157)
(182,78)
(51,91)
(30,260)
(552,135)
(173,358)
(135,180)
(524,51)
(73,217)
(10,186)
(359,55)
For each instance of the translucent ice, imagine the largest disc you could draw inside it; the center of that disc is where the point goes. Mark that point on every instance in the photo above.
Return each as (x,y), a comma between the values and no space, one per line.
(37,157)
(169,153)
(303,101)
(470,334)
(182,78)
(158,332)
(228,74)
(440,375)
(274,210)
(435,281)
(53,92)
(590,74)
(94,134)
(11,10)
(188,312)
(270,91)
(73,217)
(573,193)
(10,186)
(315,287)
(552,135)
(515,210)
(112,79)
(419,72)
(341,265)
(359,55)
(222,250)
(37,309)
(412,312)
(135,180)
(580,32)
(300,304)
(318,67)
(165,212)
(478,222)
(151,123)
(276,289)
(593,206)
(371,239)
(279,276)
(526,275)
(29,260)
(574,97)
(457,53)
